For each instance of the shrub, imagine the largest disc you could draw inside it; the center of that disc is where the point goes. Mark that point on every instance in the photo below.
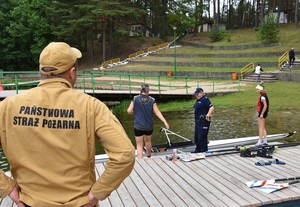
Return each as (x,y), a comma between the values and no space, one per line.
(217,34)
(269,31)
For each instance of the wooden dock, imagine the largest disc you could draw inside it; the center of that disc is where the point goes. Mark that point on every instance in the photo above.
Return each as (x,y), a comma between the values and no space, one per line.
(213,181)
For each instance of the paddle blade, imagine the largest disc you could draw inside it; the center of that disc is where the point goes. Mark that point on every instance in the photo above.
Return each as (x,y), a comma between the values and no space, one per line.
(269,188)
(258,183)
(191,156)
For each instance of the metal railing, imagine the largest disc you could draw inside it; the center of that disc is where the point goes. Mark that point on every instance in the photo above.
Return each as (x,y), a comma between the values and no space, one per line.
(17,79)
(158,47)
(136,54)
(100,81)
(247,69)
(106,64)
(282,59)
(96,81)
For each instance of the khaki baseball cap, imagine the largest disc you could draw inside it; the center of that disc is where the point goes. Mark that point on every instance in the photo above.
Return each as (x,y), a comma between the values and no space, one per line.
(58,55)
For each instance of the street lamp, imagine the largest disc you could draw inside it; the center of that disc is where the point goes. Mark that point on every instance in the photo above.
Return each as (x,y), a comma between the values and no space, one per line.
(174,28)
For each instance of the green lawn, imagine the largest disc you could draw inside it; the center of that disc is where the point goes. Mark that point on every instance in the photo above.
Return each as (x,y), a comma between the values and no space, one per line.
(194,50)
(144,67)
(282,95)
(238,37)
(259,59)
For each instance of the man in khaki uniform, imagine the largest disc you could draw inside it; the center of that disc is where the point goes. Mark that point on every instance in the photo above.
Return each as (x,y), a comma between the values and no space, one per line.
(48,135)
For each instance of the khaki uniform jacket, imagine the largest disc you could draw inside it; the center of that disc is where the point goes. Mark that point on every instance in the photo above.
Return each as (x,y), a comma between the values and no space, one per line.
(48,136)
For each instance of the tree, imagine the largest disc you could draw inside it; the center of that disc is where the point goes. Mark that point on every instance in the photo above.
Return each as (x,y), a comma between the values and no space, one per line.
(114,19)
(269,31)
(5,7)
(296,13)
(24,35)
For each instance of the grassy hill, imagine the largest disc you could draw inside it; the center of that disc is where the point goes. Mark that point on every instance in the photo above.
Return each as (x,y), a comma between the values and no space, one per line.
(188,54)
(288,37)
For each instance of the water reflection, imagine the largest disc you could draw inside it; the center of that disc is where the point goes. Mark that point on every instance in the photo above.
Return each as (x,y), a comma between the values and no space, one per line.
(225,124)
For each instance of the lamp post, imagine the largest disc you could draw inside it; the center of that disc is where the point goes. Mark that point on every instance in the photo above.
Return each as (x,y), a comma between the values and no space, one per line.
(174,28)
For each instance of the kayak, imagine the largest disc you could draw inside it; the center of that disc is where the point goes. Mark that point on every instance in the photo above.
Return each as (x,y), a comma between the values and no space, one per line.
(215,144)
(245,140)
(188,145)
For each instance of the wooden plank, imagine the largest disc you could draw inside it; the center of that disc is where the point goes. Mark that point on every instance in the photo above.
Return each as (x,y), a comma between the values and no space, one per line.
(126,196)
(114,198)
(264,171)
(155,164)
(291,168)
(122,193)
(289,156)
(160,182)
(251,174)
(185,182)
(99,170)
(153,187)
(202,185)
(223,186)
(134,192)
(244,174)
(228,172)
(143,188)
(215,181)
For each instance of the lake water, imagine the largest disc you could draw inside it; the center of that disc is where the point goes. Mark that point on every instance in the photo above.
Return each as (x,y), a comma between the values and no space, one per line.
(225,124)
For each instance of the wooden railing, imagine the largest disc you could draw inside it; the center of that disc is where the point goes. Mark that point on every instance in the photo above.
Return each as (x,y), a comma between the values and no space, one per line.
(247,69)
(282,59)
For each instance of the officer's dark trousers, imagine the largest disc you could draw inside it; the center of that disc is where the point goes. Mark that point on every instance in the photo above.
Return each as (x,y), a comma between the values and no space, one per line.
(200,137)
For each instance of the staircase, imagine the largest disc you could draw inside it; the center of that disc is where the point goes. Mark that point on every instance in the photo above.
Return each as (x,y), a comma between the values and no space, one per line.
(286,66)
(266,77)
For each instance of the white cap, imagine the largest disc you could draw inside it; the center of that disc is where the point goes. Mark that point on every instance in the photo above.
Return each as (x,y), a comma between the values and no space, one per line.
(259,87)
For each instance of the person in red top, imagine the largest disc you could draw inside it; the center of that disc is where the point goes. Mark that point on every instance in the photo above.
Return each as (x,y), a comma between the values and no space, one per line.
(262,109)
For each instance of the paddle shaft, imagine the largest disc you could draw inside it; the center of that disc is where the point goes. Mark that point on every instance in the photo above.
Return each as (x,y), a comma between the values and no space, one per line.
(222,153)
(293,182)
(291,178)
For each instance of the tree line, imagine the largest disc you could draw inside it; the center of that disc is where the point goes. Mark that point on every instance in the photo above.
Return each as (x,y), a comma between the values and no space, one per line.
(27,26)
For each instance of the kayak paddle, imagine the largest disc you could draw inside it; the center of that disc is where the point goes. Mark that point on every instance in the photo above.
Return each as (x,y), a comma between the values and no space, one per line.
(258,183)
(269,188)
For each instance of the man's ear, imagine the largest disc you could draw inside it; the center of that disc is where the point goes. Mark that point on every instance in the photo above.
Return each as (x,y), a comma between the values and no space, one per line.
(72,72)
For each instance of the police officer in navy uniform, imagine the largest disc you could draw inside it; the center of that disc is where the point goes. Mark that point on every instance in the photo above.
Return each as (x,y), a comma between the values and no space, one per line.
(203,110)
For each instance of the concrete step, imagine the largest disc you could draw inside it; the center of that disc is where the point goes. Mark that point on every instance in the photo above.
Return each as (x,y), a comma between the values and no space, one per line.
(261,76)
(266,77)
(254,80)
(286,66)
